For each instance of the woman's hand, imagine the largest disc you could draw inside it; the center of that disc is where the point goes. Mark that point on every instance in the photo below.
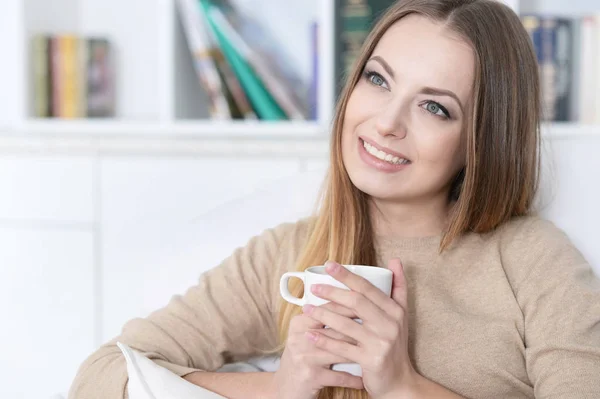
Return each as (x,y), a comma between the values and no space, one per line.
(382,339)
(304,368)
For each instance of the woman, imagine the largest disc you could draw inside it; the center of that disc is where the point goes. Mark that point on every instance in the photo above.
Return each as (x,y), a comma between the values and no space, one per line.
(434,160)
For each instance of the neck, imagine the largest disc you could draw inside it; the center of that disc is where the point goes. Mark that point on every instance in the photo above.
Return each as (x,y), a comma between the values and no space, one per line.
(422,219)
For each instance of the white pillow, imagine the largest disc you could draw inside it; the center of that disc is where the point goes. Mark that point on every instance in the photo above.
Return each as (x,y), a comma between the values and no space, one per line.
(148,380)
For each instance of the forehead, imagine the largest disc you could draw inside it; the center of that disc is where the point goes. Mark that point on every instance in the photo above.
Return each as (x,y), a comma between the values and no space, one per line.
(426,53)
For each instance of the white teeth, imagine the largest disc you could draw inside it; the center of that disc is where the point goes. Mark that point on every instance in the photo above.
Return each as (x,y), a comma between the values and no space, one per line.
(384,156)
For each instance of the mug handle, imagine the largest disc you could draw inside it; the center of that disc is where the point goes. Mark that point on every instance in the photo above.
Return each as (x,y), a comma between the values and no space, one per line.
(285,292)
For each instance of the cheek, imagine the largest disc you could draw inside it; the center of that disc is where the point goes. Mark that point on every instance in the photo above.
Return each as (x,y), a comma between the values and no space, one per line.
(445,152)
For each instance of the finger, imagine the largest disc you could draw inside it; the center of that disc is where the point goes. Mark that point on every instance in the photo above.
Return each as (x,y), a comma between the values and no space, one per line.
(399,286)
(303,322)
(361,306)
(322,358)
(356,283)
(336,335)
(330,378)
(343,349)
(339,309)
(339,323)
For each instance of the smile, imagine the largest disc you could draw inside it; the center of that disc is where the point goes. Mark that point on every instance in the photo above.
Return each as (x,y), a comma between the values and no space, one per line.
(384,161)
(384,156)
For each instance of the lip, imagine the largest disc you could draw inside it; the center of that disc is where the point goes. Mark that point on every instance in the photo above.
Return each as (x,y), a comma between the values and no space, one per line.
(384,149)
(377,163)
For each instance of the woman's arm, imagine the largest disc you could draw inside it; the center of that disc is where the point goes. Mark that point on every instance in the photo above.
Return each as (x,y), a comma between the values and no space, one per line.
(227,316)
(236,385)
(560,300)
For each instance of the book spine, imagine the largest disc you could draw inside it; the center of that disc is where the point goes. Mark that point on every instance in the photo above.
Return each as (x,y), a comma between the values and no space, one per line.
(239,98)
(56,77)
(100,79)
(69,77)
(351,29)
(41,76)
(314,84)
(276,87)
(83,55)
(354,20)
(563,86)
(576,82)
(198,42)
(548,70)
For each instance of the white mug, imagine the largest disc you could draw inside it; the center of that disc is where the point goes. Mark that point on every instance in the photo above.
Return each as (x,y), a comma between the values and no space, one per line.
(378,276)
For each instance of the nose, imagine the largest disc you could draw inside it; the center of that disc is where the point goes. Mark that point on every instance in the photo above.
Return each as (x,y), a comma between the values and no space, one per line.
(391,121)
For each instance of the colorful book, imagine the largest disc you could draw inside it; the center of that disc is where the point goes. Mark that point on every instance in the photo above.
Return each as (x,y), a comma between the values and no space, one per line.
(100,79)
(236,96)
(354,20)
(552,40)
(69,64)
(262,53)
(262,101)
(202,51)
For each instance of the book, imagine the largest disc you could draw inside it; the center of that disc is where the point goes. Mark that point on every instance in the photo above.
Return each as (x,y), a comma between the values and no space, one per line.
(236,95)
(40,59)
(262,101)
(70,77)
(354,20)
(265,55)
(100,79)
(552,40)
(314,86)
(55,64)
(202,51)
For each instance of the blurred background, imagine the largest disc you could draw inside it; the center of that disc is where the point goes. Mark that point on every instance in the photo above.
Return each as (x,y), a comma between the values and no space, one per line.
(141,141)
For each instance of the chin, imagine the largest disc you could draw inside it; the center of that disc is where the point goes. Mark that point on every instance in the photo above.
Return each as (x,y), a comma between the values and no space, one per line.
(376,185)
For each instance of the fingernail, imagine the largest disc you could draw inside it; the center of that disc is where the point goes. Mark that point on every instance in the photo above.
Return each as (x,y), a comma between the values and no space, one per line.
(308,308)
(332,267)
(312,336)
(315,288)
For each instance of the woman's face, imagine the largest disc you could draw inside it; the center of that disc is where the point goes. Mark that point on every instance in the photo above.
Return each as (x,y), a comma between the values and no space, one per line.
(403,127)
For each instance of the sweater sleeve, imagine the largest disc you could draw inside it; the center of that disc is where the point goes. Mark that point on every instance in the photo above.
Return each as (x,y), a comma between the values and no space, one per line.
(559,296)
(227,316)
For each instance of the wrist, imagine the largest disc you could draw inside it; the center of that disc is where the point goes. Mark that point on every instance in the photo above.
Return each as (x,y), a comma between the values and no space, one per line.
(270,389)
(408,389)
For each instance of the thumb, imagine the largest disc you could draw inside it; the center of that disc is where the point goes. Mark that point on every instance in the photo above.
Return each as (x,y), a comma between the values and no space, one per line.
(399,286)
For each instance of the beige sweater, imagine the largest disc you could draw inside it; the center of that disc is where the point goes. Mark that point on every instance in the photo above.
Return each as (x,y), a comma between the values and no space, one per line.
(510,314)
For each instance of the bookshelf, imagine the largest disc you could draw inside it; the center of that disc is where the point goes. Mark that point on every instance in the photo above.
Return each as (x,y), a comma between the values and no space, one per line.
(157,86)
(158,92)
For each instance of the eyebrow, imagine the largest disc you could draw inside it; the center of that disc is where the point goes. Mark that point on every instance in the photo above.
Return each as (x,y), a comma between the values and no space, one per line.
(426,90)
(442,92)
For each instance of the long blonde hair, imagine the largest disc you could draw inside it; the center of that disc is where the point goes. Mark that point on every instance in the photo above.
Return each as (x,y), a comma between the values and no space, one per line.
(500,178)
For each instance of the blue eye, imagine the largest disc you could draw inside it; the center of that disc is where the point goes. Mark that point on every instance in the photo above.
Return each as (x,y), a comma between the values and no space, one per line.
(375,79)
(437,109)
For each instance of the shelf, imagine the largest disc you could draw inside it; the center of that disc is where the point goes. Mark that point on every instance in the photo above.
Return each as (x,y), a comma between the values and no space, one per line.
(197,129)
(228,130)
(567,130)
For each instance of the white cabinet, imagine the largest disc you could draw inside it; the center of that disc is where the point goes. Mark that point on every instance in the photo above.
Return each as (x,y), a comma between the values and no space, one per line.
(47,291)
(47,188)
(155,216)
